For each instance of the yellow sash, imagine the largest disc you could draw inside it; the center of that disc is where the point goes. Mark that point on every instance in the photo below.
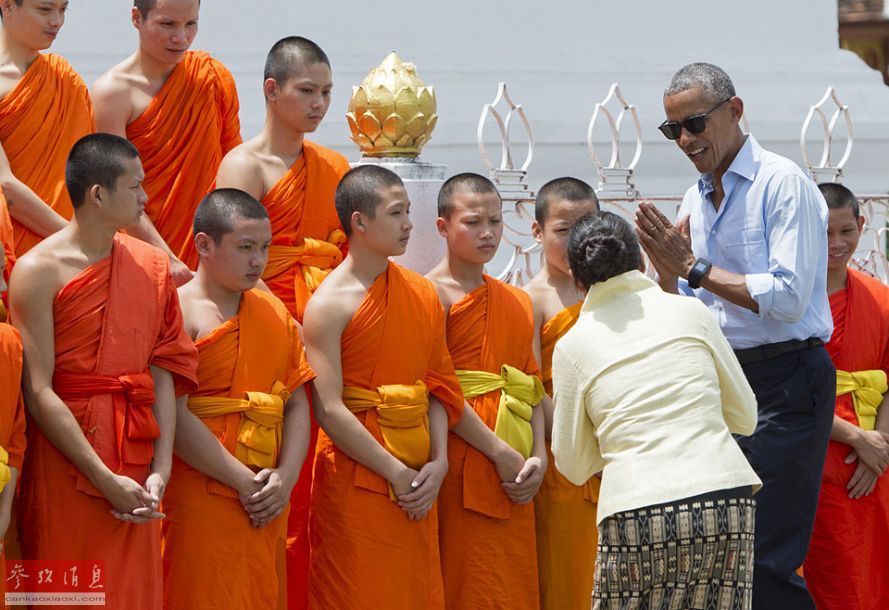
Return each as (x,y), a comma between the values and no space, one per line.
(518,395)
(402,413)
(316,257)
(262,422)
(5,474)
(867,389)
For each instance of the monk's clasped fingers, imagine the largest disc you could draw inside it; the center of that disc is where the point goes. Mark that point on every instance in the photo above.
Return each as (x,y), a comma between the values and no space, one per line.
(139,515)
(527,483)
(426,485)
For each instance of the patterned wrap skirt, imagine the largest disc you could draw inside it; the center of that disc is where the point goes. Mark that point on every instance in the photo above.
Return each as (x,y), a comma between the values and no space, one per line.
(694,553)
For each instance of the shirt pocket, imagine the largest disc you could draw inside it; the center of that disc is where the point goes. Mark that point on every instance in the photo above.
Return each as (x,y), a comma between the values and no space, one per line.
(746,251)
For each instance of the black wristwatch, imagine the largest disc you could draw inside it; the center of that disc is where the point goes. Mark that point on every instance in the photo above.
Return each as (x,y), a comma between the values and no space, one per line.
(697,272)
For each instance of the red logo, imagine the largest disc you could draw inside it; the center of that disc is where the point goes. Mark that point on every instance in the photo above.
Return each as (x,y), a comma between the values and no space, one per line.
(63,582)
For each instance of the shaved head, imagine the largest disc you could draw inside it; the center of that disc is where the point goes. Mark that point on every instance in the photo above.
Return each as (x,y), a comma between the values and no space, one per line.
(98,158)
(462,183)
(290,56)
(568,189)
(144,6)
(361,190)
(218,211)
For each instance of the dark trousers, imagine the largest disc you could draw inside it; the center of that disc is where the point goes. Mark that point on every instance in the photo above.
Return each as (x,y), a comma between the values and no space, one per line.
(795,393)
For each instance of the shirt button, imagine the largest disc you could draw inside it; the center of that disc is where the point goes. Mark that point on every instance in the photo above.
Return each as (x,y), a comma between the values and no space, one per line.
(713,232)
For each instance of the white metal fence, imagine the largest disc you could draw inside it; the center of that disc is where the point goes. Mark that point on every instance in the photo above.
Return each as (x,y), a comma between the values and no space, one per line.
(520,257)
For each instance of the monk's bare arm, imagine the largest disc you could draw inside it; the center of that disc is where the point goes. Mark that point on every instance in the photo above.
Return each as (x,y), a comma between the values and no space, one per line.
(546,404)
(199,448)
(427,483)
(528,482)
(295,438)
(164,409)
(239,170)
(147,232)
(32,290)
(6,503)
(277,483)
(507,461)
(323,327)
(24,204)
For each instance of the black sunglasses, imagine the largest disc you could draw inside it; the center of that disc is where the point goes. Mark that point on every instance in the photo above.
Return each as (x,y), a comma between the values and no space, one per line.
(694,124)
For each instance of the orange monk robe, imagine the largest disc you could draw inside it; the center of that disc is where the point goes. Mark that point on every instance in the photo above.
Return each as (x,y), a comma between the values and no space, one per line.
(366,552)
(182,137)
(566,513)
(8,244)
(846,566)
(255,351)
(487,542)
(307,243)
(40,120)
(12,412)
(114,320)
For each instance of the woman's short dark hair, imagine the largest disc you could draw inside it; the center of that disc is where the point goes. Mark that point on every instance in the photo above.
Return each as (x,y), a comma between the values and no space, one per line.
(601,246)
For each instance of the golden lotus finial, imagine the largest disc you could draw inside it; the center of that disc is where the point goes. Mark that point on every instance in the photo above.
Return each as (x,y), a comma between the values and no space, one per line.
(392,111)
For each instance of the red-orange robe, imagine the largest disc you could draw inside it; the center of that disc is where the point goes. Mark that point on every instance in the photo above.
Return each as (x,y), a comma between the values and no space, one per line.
(366,552)
(847,565)
(251,352)
(182,137)
(8,244)
(488,554)
(12,411)
(114,320)
(40,120)
(566,513)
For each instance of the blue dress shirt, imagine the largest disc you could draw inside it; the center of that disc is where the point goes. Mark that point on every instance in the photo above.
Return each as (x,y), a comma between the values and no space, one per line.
(772,228)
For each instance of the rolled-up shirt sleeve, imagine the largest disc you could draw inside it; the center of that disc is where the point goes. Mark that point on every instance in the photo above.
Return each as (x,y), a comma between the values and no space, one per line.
(575,445)
(794,228)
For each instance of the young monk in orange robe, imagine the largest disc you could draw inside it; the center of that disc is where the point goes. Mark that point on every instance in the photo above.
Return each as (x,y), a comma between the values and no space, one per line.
(44,109)
(295,180)
(486,524)
(386,394)
(846,566)
(12,426)
(566,513)
(105,353)
(243,434)
(180,109)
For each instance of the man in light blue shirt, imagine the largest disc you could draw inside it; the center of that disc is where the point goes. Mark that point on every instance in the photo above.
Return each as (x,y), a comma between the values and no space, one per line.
(751,243)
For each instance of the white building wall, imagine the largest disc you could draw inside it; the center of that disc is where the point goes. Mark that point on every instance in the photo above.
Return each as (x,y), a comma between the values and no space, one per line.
(559,58)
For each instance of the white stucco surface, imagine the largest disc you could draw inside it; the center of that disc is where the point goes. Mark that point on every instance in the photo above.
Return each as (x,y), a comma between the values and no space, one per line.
(558,58)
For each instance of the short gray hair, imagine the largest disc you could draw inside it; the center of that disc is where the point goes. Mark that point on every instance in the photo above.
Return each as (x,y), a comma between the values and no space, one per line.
(712,80)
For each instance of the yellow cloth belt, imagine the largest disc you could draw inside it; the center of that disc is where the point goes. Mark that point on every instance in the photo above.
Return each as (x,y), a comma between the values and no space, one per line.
(262,422)
(402,413)
(518,395)
(316,257)
(5,474)
(867,389)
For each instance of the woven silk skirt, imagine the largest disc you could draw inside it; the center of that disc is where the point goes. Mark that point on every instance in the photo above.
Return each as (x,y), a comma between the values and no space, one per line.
(695,553)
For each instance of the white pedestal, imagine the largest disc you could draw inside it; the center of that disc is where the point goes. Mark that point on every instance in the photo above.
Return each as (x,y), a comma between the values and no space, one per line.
(422,181)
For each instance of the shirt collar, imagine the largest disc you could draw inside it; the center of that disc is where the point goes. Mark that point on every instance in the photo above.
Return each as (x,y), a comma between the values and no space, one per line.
(602,292)
(744,165)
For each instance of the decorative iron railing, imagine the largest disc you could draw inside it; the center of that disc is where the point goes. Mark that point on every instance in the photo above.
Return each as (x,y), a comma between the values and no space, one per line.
(617,189)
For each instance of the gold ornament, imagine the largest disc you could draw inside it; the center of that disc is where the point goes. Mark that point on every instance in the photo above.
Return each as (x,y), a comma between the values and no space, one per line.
(392,111)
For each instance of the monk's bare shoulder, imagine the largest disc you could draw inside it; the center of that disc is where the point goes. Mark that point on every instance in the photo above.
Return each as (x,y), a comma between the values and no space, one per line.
(242,168)
(10,76)
(119,96)
(443,284)
(335,302)
(40,274)
(545,301)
